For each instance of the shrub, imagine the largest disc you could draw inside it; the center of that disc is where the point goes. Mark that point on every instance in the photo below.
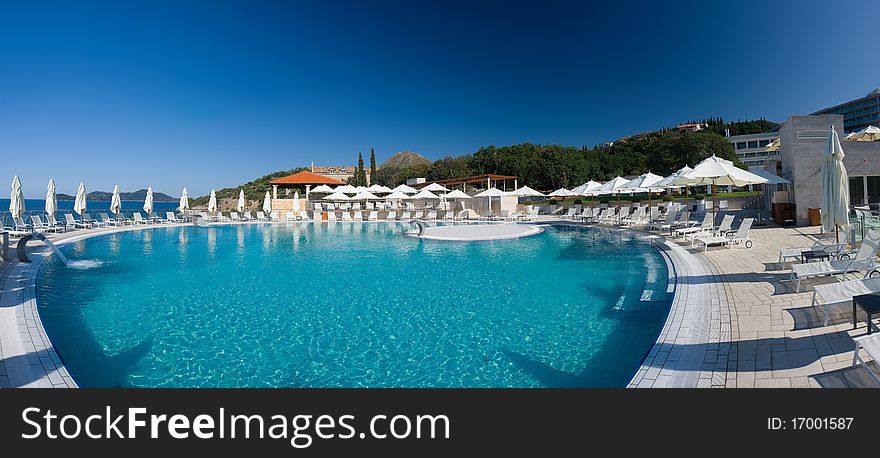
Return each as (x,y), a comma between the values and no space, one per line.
(668,198)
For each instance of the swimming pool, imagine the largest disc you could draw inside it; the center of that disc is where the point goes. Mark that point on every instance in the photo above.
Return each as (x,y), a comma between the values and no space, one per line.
(353,305)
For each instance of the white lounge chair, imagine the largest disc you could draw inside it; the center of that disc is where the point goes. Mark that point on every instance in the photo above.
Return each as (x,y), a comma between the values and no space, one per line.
(405,216)
(331,215)
(358,215)
(50,219)
(741,236)
(234,216)
(39,225)
(834,248)
(290,216)
(73,223)
(864,262)
(20,229)
(137,218)
(373,215)
(667,221)
(87,218)
(172,218)
(707,225)
(107,220)
(622,215)
(832,294)
(391,216)
(346,216)
(156,218)
(871,344)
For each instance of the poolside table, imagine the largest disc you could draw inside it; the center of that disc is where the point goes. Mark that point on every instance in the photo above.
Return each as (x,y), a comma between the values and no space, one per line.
(810,255)
(870,303)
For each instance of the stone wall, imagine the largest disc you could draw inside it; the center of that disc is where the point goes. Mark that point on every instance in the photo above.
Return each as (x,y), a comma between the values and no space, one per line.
(802,149)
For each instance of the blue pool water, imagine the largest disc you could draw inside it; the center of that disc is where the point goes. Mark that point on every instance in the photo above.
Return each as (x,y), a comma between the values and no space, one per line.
(353,305)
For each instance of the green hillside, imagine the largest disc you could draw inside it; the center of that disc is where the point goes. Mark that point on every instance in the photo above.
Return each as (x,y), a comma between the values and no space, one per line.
(253,190)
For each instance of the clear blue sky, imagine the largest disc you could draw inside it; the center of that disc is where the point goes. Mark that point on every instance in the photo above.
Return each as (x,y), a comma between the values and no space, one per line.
(213,94)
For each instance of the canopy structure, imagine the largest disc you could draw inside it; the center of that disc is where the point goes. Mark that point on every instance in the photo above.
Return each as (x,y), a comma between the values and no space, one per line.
(116,201)
(365,195)
(212,203)
(771,177)
(51,198)
(16,198)
(489,179)
(405,189)
(526,191)
(322,189)
(868,134)
(456,194)
(835,187)
(612,186)
(643,183)
(587,189)
(377,188)
(425,194)
(397,195)
(671,180)
(79,205)
(490,193)
(346,188)
(337,196)
(561,192)
(717,171)
(436,187)
(148,201)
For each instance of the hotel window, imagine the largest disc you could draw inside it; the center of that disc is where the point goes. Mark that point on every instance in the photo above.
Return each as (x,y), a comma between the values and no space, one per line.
(873,186)
(753,144)
(857,190)
(763,143)
(741,145)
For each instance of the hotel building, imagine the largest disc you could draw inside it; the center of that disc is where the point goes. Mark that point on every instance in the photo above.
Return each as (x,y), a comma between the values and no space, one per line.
(752,148)
(858,113)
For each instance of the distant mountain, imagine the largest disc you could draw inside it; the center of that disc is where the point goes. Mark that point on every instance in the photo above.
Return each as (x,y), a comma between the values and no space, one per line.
(405,160)
(136,195)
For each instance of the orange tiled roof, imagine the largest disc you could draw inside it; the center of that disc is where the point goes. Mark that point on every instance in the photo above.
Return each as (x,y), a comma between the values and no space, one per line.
(306,177)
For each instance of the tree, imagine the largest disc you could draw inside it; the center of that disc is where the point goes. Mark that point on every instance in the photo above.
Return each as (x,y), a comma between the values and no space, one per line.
(360,174)
(372,165)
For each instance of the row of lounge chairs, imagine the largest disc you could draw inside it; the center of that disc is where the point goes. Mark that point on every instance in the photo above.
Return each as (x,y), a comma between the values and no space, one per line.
(51,224)
(843,263)
(675,221)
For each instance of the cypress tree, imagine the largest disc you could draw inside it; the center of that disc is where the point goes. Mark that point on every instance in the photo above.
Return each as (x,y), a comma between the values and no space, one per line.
(361,175)
(372,164)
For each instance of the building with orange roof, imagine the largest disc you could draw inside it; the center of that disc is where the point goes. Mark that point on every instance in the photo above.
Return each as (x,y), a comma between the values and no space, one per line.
(300,180)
